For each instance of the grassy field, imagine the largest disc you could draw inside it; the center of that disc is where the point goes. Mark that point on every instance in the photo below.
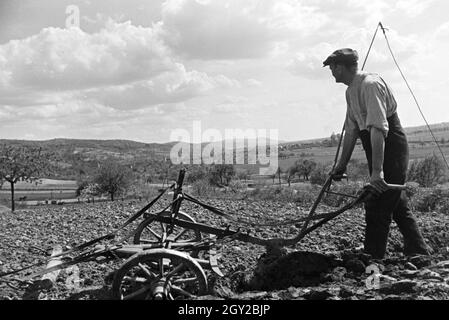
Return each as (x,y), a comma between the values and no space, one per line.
(440,131)
(44,184)
(327,155)
(45,189)
(39,195)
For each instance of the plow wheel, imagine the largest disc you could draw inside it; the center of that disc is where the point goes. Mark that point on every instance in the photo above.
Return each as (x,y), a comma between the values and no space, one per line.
(151,231)
(159,274)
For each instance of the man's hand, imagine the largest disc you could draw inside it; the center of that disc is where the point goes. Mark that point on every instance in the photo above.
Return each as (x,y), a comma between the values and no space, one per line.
(339,171)
(377,182)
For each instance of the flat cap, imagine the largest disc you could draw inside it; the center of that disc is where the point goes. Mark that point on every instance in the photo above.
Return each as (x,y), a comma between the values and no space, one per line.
(345,56)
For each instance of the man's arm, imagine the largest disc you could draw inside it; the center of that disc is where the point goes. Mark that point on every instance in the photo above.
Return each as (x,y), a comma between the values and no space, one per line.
(378,149)
(374,94)
(349,142)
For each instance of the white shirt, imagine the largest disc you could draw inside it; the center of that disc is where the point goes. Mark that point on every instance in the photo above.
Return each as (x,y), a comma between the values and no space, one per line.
(370,102)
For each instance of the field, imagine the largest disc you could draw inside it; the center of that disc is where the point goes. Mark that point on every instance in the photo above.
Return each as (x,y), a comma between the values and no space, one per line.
(249,274)
(48,189)
(45,189)
(327,155)
(327,264)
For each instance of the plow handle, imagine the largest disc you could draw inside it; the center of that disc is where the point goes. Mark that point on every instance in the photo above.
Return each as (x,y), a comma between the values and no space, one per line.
(397,187)
(339,177)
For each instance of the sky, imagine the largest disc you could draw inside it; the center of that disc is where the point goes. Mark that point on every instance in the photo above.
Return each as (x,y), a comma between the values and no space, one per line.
(139,70)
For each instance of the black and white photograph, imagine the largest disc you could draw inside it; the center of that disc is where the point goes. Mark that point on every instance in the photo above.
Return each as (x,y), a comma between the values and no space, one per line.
(229,154)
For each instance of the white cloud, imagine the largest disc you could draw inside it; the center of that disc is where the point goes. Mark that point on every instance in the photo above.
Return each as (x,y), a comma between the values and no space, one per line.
(170,87)
(214,30)
(442,31)
(122,65)
(414,8)
(254,83)
(294,16)
(234,29)
(64,59)
(309,64)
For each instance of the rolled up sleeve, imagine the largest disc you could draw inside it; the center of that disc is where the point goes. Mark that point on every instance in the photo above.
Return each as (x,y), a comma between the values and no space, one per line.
(376,105)
(350,124)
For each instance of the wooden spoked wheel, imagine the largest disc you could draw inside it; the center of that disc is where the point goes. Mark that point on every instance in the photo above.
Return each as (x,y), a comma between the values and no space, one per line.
(151,231)
(159,274)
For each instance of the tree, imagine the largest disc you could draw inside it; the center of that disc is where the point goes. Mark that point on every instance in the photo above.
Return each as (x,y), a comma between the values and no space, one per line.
(221,174)
(112,178)
(82,184)
(319,174)
(291,172)
(196,173)
(243,174)
(305,168)
(278,174)
(302,168)
(90,191)
(20,163)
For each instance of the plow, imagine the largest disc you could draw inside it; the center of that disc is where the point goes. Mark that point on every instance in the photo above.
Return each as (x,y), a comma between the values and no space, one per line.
(170,252)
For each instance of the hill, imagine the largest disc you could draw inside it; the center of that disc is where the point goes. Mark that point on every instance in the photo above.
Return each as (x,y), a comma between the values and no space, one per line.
(415,134)
(82,157)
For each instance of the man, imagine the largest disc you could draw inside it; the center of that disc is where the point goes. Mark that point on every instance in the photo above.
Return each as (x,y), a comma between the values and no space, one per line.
(372,117)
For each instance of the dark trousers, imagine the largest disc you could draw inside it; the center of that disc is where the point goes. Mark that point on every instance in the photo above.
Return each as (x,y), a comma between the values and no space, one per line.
(391,205)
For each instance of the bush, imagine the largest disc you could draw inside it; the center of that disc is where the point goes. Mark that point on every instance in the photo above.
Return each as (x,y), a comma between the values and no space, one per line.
(412,189)
(432,199)
(320,174)
(358,170)
(221,174)
(237,186)
(195,173)
(305,195)
(201,187)
(141,191)
(428,172)
(81,186)
(91,190)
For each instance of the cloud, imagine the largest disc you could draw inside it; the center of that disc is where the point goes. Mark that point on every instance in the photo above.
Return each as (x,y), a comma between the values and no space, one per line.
(308,62)
(442,31)
(296,17)
(254,83)
(232,29)
(122,65)
(413,8)
(64,59)
(215,30)
(170,87)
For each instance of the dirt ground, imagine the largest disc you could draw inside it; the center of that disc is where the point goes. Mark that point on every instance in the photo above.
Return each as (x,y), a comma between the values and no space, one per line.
(327,264)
